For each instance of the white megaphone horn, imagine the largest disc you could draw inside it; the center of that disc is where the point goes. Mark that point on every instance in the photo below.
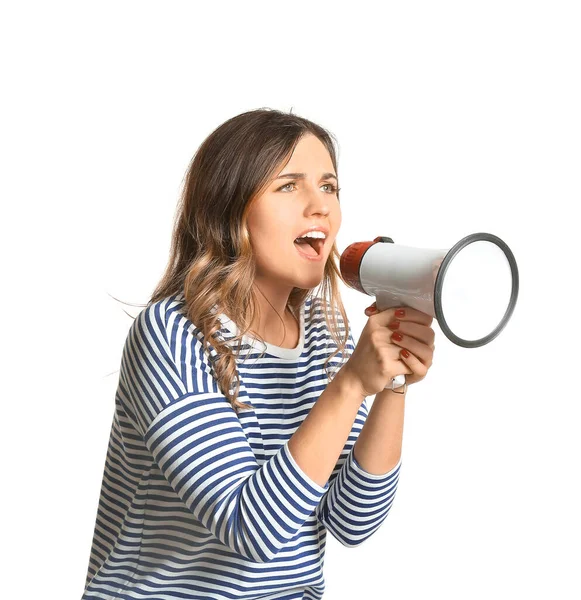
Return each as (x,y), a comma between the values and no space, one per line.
(470,289)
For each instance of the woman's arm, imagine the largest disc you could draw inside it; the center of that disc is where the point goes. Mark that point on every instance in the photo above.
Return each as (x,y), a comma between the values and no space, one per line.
(317,443)
(378,447)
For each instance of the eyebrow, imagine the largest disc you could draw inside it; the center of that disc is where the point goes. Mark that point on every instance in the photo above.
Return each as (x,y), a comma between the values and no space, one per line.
(303,175)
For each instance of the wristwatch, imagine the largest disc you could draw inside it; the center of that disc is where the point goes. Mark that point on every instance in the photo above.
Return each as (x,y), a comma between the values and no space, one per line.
(398,382)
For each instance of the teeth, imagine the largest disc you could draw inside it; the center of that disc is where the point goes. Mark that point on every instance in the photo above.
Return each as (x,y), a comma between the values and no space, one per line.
(313,234)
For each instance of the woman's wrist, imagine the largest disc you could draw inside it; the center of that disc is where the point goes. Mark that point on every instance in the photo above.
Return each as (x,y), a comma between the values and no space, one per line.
(387,393)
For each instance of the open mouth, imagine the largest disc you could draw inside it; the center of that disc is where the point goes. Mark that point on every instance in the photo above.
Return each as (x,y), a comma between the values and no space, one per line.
(310,246)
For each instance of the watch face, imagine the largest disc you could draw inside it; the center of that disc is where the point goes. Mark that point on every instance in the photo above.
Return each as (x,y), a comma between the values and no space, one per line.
(398,381)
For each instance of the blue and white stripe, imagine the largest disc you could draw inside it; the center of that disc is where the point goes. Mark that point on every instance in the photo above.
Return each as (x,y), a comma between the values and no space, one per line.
(199,502)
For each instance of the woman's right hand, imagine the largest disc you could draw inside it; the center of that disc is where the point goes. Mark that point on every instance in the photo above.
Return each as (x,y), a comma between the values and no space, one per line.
(375,360)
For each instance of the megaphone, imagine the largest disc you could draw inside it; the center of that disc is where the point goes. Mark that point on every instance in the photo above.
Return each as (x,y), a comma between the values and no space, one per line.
(470,289)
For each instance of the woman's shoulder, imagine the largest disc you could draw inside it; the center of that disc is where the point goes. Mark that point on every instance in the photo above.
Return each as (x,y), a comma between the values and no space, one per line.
(156,315)
(163,323)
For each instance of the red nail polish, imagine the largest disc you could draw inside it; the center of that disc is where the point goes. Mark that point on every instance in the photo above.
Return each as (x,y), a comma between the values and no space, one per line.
(394,325)
(398,337)
(405,353)
(400,312)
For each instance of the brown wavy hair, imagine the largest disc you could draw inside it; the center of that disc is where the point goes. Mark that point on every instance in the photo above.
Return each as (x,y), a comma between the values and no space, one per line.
(211,260)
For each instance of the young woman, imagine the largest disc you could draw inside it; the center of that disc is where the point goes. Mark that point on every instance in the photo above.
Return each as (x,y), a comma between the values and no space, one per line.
(241,433)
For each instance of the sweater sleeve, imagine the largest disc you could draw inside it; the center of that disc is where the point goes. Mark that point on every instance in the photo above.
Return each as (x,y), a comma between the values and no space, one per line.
(198,443)
(357,502)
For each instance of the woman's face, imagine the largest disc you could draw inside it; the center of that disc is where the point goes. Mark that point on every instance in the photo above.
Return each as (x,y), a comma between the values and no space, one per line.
(288,206)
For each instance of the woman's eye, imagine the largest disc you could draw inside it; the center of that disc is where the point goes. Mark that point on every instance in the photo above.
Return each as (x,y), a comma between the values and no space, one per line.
(333,189)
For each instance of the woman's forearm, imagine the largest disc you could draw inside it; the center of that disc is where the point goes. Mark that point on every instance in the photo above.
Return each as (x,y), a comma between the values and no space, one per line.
(378,447)
(319,440)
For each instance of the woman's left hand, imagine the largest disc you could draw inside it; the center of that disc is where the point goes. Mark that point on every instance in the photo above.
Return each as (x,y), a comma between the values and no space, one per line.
(417,338)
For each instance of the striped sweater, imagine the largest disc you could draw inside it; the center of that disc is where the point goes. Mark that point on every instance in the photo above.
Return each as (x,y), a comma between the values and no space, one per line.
(198,502)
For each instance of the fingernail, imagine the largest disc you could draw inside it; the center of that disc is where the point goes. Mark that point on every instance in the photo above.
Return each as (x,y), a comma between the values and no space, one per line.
(398,337)
(400,312)
(405,353)
(371,310)
(394,325)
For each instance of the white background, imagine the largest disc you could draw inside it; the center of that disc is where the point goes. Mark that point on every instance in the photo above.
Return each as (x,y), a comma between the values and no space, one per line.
(452,118)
